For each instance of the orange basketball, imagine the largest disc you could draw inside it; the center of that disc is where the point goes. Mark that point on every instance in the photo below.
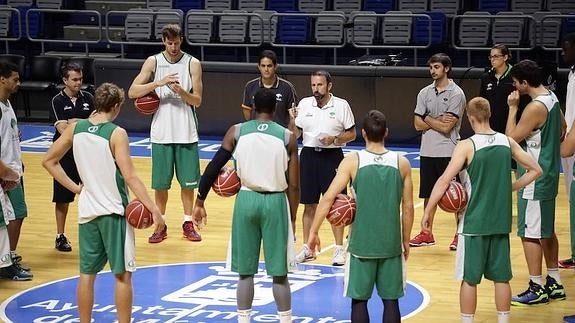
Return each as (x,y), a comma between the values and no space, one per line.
(138,216)
(148,104)
(227,183)
(454,199)
(342,211)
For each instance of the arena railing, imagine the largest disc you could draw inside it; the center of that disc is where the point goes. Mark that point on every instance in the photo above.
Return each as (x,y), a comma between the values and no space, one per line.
(12,12)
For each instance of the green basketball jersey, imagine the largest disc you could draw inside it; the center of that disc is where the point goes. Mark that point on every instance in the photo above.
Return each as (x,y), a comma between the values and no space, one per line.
(104,191)
(261,155)
(488,183)
(378,185)
(543,145)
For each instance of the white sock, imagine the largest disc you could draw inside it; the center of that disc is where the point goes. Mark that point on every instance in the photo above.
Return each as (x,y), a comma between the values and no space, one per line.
(467,318)
(12,253)
(503,317)
(285,317)
(187,218)
(536,280)
(59,234)
(554,273)
(244,316)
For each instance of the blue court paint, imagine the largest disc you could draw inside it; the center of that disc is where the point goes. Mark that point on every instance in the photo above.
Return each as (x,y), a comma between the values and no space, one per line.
(569,319)
(38,138)
(202,292)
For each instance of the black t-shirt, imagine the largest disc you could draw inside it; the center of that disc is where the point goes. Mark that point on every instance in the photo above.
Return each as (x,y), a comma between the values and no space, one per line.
(64,109)
(285,96)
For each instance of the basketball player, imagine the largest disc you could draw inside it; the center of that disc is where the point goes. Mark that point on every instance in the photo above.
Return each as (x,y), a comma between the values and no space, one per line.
(483,248)
(68,106)
(381,180)
(437,116)
(568,46)
(539,131)
(14,202)
(103,159)
(266,159)
(176,77)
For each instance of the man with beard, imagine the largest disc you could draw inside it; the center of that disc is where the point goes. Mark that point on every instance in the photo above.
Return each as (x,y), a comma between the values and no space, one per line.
(327,124)
(438,113)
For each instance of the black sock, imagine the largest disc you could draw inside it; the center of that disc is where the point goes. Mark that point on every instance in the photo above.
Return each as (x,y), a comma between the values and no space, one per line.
(391,311)
(359,312)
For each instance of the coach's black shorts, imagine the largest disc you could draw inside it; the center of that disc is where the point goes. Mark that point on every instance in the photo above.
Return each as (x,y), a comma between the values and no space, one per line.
(317,170)
(60,193)
(430,168)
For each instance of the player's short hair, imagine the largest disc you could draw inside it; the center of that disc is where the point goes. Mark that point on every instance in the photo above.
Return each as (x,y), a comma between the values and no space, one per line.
(107,96)
(479,108)
(527,70)
(375,125)
(503,49)
(6,69)
(569,38)
(265,101)
(171,31)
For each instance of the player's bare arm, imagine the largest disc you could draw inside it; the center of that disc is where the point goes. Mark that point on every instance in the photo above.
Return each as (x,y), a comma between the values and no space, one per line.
(293,177)
(532,118)
(194,98)
(120,148)
(568,145)
(527,162)
(144,82)
(407,211)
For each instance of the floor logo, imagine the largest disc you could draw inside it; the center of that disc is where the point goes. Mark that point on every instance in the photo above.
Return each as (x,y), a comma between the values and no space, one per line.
(201,292)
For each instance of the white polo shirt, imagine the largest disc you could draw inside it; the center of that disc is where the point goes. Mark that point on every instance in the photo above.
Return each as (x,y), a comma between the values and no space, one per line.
(330,120)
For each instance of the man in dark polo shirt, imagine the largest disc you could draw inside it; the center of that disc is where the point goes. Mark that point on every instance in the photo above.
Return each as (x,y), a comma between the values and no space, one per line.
(68,106)
(283,89)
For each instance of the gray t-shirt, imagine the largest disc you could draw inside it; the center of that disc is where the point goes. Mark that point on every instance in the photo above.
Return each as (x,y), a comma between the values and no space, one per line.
(430,102)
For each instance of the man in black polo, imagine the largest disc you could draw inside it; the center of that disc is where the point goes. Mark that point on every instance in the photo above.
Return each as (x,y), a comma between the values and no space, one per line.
(283,89)
(68,106)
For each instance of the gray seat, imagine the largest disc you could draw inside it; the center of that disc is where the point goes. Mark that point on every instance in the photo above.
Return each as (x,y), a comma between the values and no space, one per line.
(312,6)
(474,31)
(20,3)
(218,5)
(138,25)
(268,29)
(232,29)
(199,26)
(562,6)
(449,7)
(159,4)
(167,16)
(251,5)
(347,6)
(329,27)
(508,31)
(414,6)
(363,28)
(5,16)
(396,30)
(49,4)
(526,6)
(545,32)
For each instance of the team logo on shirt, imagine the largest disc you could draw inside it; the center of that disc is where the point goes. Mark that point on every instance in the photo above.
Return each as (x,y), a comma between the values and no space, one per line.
(279,97)
(489,86)
(86,106)
(263,127)
(93,129)
(203,292)
(67,108)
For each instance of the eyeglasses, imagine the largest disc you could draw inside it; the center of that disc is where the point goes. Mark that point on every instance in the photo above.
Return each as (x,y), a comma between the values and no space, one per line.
(490,57)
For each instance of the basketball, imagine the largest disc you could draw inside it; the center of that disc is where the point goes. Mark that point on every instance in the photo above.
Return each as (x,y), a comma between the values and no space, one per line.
(148,104)
(454,199)
(227,183)
(138,216)
(342,211)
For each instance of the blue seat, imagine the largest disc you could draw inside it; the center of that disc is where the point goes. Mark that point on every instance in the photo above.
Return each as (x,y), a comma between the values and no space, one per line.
(438,28)
(293,29)
(493,6)
(34,23)
(186,5)
(282,5)
(379,6)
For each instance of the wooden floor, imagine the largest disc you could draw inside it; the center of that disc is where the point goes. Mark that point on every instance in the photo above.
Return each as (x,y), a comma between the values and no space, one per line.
(430,267)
